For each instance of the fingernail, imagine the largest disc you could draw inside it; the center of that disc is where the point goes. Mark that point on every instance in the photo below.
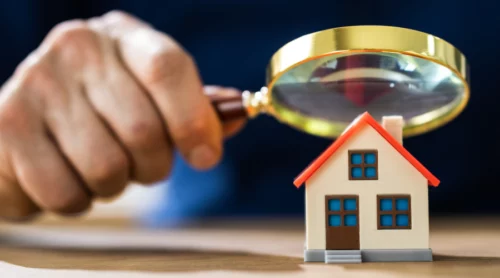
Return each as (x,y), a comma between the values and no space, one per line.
(202,157)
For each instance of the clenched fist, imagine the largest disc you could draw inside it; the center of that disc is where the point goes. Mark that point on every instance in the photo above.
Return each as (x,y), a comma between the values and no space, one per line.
(100,103)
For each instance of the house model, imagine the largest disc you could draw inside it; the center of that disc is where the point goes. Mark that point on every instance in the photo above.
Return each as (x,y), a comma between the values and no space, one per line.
(367,197)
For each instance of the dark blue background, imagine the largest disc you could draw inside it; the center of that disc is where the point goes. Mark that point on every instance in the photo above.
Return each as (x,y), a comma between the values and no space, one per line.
(232,42)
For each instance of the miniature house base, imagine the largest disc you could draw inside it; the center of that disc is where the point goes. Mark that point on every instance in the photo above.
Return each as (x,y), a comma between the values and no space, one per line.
(375,255)
(367,198)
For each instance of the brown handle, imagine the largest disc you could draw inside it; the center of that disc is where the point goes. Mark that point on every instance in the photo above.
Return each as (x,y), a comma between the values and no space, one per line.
(229,108)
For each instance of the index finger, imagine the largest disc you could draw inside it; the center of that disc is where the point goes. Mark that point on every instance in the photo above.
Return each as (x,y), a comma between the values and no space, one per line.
(171,77)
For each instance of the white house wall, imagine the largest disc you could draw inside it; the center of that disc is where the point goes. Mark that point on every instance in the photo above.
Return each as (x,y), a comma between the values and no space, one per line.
(396,176)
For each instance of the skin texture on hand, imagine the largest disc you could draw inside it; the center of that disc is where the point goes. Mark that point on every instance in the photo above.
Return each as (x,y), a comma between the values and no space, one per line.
(100,103)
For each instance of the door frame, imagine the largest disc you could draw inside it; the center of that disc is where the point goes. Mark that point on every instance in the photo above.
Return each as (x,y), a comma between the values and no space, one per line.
(349,235)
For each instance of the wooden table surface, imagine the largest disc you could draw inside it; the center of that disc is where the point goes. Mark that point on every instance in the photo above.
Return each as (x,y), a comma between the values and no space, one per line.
(463,247)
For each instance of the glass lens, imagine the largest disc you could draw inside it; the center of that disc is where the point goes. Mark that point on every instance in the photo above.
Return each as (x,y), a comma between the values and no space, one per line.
(339,88)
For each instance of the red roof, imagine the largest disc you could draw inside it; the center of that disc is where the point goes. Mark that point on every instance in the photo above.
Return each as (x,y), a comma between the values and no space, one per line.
(355,126)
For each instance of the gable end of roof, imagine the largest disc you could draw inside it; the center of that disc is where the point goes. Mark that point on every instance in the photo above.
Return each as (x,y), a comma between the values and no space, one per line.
(354,127)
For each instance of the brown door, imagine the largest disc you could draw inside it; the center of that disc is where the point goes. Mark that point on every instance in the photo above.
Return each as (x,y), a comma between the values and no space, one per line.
(342,222)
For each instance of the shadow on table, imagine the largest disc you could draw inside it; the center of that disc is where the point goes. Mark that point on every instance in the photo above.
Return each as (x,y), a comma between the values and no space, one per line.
(442,266)
(151,260)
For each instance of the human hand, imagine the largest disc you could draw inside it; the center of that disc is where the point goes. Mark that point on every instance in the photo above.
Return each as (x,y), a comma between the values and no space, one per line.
(101,103)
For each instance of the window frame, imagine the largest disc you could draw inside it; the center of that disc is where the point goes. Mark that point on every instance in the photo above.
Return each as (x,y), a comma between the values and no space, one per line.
(393,212)
(342,213)
(363,164)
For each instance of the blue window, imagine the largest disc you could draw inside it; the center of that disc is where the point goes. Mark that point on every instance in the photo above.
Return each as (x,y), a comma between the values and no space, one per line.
(342,211)
(386,220)
(356,158)
(370,158)
(386,204)
(334,220)
(402,220)
(357,172)
(402,204)
(370,172)
(334,204)
(349,204)
(394,212)
(350,220)
(363,165)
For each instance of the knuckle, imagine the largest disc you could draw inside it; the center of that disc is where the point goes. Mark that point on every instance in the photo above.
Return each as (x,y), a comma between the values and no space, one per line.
(39,81)
(74,41)
(70,32)
(167,63)
(142,134)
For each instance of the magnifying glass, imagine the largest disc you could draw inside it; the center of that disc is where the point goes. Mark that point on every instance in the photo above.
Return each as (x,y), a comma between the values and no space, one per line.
(320,82)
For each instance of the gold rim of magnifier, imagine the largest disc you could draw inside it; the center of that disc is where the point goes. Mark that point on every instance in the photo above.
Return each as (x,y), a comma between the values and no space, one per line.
(352,39)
